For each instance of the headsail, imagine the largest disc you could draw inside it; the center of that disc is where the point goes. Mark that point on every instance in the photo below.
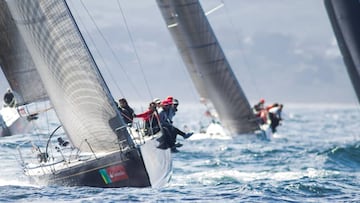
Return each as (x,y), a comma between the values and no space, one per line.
(16,62)
(79,95)
(344,16)
(208,67)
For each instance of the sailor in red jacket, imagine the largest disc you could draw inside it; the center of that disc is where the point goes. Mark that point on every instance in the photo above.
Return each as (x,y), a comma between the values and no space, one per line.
(151,119)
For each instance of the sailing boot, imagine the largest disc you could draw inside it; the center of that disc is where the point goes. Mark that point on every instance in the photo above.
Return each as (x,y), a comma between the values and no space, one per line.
(174,150)
(187,135)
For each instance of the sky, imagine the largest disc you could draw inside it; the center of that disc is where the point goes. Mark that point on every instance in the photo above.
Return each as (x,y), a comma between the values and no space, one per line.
(281,50)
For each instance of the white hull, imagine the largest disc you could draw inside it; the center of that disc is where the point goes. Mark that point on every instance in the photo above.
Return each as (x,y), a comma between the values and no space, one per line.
(265,131)
(213,131)
(217,131)
(157,162)
(13,123)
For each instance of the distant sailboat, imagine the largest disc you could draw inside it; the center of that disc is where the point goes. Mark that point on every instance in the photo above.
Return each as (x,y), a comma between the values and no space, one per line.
(19,70)
(102,152)
(345,19)
(14,118)
(207,65)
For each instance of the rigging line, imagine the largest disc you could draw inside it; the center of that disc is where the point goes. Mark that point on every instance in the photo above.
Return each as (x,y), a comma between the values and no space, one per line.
(112,52)
(35,126)
(196,95)
(97,51)
(239,43)
(136,53)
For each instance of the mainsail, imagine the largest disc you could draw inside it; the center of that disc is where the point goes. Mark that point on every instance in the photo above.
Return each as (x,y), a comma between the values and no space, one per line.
(76,89)
(16,62)
(344,16)
(206,63)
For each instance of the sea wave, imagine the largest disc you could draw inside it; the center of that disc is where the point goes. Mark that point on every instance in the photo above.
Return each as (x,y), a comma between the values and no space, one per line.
(344,157)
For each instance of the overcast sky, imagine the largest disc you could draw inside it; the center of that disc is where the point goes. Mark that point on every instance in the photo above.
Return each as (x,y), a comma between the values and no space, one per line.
(281,50)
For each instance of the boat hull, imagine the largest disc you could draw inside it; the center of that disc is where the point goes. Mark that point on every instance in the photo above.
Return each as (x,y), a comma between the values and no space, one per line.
(12,122)
(118,169)
(217,131)
(213,131)
(115,170)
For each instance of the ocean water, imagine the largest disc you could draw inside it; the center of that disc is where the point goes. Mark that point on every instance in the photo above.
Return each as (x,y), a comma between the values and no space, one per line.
(314,157)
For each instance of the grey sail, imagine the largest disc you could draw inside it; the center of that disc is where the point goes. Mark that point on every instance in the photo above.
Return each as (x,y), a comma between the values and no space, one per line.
(16,62)
(345,19)
(206,63)
(71,78)
(102,153)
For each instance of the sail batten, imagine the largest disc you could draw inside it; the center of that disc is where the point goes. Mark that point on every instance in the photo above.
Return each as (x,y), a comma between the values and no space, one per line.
(344,17)
(81,99)
(206,63)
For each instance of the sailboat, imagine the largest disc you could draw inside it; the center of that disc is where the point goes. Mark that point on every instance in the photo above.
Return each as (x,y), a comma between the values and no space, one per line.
(208,67)
(19,71)
(99,149)
(344,17)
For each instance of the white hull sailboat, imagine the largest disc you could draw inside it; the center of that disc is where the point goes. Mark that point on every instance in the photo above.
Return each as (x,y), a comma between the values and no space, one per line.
(98,150)
(208,67)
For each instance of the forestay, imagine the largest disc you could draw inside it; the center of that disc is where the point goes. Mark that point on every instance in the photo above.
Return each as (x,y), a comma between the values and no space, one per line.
(207,64)
(16,62)
(71,78)
(344,16)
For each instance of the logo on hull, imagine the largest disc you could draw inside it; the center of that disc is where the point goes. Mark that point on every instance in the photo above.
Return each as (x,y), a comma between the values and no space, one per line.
(113,174)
